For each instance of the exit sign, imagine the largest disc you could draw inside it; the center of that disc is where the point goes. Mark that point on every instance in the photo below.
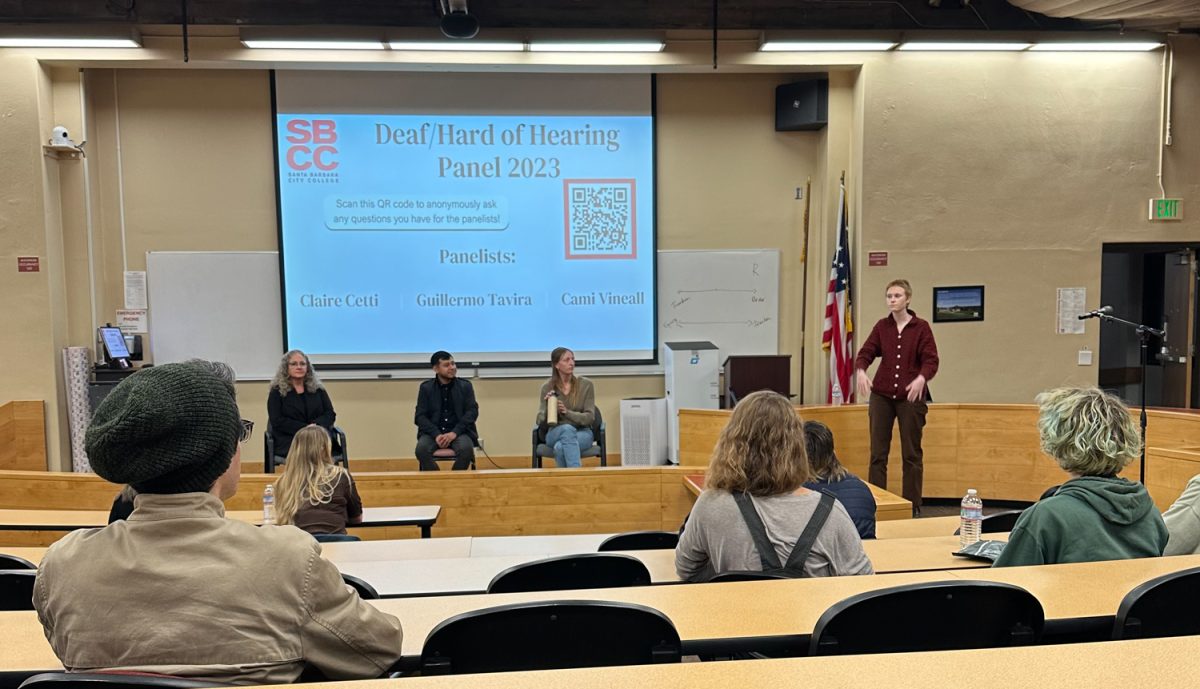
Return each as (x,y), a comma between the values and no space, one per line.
(1166,209)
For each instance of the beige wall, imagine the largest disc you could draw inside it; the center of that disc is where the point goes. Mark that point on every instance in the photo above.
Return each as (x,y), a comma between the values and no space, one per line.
(1002,170)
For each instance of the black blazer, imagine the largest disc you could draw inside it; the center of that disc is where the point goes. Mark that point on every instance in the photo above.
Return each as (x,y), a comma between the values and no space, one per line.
(288,414)
(429,408)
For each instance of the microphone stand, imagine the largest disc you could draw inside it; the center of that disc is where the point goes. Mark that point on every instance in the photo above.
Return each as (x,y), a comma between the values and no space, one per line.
(1144,332)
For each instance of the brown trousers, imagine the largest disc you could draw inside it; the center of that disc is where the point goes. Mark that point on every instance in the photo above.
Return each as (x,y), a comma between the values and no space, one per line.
(883,412)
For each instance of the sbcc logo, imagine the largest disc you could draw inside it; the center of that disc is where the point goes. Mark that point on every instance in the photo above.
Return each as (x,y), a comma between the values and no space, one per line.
(321,134)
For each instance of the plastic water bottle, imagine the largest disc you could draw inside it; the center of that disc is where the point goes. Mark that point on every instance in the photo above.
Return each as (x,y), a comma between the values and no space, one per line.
(970,519)
(269,505)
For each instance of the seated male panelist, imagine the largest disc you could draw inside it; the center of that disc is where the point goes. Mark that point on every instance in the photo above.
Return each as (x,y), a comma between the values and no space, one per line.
(446,415)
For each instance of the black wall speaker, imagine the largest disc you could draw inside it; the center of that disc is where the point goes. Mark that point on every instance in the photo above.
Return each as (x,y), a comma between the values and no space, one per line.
(802,105)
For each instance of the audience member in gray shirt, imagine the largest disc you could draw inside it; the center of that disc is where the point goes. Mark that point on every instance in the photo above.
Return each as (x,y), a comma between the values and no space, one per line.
(761,452)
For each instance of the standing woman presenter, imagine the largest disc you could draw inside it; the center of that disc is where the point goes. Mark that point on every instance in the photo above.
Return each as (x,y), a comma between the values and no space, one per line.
(899,393)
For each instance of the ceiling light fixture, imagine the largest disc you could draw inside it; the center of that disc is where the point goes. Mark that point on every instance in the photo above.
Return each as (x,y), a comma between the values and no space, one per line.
(312,44)
(1097,46)
(456,46)
(598,47)
(825,46)
(965,46)
(47,42)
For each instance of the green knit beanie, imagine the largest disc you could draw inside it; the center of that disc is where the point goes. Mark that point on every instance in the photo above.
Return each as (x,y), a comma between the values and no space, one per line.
(166,429)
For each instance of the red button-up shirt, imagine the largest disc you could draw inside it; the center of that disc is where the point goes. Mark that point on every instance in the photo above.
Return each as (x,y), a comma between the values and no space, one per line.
(904,354)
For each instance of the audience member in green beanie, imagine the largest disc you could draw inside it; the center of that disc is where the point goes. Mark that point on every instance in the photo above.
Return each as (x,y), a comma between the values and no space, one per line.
(197,595)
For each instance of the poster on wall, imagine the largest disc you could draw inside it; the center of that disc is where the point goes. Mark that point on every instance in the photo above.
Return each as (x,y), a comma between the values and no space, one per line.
(1071,302)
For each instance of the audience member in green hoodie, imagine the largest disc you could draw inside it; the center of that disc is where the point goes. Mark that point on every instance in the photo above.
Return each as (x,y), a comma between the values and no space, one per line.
(1096,515)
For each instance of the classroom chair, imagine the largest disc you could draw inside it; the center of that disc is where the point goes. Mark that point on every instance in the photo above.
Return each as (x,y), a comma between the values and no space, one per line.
(599,446)
(586,571)
(1000,522)
(365,590)
(640,540)
(270,459)
(745,576)
(113,680)
(1164,606)
(935,616)
(14,562)
(550,635)
(16,589)
(447,453)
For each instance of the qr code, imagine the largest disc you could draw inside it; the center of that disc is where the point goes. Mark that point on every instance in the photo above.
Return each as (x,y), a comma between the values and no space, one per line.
(600,218)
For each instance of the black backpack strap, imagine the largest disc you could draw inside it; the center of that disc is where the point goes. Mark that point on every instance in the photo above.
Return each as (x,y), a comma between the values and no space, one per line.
(808,537)
(766,551)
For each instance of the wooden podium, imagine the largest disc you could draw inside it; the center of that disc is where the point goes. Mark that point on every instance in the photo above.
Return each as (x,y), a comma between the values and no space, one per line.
(747,374)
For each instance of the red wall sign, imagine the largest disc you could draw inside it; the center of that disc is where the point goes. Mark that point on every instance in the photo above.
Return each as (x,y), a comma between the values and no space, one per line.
(877,258)
(28,264)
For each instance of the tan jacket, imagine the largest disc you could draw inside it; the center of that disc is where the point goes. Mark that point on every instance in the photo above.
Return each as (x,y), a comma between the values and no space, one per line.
(178,589)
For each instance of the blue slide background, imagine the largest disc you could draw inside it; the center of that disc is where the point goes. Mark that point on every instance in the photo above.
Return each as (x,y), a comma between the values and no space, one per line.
(388,268)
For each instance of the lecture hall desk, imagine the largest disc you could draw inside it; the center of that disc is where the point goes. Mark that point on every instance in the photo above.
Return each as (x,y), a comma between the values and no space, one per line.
(723,618)
(1143,663)
(450,566)
(421,516)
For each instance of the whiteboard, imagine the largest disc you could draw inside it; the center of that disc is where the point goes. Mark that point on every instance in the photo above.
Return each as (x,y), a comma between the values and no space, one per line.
(730,298)
(219,305)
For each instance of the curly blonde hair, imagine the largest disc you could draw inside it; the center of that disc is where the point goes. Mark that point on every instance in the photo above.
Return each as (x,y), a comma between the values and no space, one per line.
(761,450)
(1087,431)
(283,382)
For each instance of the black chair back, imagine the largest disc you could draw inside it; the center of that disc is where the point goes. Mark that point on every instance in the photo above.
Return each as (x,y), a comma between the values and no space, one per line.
(365,590)
(587,571)
(14,562)
(337,437)
(550,635)
(745,576)
(640,540)
(1164,606)
(16,589)
(952,615)
(113,680)
(1000,522)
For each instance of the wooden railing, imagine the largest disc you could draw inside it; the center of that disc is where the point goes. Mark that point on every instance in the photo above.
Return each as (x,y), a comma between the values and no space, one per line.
(993,448)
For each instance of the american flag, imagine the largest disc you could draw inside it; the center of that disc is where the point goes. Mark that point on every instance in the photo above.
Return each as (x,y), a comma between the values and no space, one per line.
(838,338)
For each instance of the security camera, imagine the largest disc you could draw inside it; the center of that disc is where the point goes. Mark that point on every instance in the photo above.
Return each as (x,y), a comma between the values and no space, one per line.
(59,136)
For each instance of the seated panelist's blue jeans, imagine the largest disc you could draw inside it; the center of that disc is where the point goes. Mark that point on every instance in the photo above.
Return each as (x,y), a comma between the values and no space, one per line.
(567,442)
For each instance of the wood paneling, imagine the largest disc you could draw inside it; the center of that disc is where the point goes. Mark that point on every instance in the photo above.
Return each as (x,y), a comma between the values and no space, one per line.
(23,436)
(993,448)
(480,503)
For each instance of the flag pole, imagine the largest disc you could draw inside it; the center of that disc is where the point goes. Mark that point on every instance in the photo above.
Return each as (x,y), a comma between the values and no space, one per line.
(804,284)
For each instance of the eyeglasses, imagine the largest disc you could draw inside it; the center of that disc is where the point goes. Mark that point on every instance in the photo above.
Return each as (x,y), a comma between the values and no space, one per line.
(247,429)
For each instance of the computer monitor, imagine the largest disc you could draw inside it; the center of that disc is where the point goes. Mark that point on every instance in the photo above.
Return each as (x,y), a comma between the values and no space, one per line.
(114,347)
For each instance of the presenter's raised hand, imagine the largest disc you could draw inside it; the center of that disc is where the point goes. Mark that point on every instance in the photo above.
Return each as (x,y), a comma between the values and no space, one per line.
(916,389)
(864,385)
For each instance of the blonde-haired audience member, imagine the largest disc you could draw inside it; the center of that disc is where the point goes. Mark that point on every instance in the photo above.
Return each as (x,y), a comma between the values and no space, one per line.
(1096,515)
(760,465)
(315,494)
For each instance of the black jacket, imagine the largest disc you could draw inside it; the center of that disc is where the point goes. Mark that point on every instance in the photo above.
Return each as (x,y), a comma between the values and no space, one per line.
(429,408)
(288,414)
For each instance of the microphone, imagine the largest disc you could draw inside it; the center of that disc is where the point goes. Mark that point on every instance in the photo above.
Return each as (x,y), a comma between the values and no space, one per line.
(1102,311)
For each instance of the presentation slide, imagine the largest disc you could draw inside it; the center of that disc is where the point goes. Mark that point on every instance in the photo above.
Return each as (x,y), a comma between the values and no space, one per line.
(496,237)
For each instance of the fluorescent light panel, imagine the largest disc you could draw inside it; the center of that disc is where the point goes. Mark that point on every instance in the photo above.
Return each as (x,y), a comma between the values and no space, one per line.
(598,47)
(963,46)
(454,46)
(825,46)
(313,45)
(35,42)
(1097,46)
